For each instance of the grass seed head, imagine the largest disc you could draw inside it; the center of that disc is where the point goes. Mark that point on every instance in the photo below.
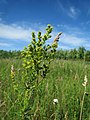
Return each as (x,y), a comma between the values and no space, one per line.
(85,81)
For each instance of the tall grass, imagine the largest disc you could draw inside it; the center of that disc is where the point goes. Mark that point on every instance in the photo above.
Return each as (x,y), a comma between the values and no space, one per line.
(63,82)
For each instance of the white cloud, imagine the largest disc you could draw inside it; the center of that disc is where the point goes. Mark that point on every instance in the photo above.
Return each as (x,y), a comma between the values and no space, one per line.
(74,36)
(5,44)
(70,29)
(73,12)
(87,45)
(69,10)
(15,32)
(72,40)
(65,47)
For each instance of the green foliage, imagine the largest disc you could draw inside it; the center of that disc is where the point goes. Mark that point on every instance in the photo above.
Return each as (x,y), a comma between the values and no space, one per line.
(63,82)
(36,57)
(81,52)
(36,61)
(10,54)
(87,56)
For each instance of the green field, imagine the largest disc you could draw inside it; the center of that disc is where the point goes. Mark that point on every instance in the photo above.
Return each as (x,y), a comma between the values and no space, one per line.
(63,82)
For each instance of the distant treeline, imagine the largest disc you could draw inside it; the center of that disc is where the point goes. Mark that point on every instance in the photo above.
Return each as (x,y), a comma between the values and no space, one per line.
(80,53)
(10,54)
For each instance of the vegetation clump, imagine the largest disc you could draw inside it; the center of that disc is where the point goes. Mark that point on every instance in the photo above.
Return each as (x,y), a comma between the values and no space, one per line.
(36,61)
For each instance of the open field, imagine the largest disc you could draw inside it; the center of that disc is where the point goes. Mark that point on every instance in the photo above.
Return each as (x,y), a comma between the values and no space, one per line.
(63,82)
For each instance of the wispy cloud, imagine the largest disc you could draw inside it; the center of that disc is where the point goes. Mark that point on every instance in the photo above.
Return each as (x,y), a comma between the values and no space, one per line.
(72,40)
(13,31)
(84,24)
(61,6)
(73,12)
(72,30)
(5,44)
(73,37)
(65,47)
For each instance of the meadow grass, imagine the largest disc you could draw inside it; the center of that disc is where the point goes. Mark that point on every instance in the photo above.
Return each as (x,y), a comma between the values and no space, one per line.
(63,82)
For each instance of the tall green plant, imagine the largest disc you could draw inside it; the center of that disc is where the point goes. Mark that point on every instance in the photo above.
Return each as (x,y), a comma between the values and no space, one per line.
(36,60)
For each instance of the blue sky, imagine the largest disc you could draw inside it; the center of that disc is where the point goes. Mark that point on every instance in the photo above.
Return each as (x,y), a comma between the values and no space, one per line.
(18,18)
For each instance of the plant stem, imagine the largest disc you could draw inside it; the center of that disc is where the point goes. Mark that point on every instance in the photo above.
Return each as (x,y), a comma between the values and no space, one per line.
(82,104)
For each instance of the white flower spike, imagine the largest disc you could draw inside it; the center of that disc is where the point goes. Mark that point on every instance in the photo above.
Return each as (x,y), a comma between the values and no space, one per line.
(85,81)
